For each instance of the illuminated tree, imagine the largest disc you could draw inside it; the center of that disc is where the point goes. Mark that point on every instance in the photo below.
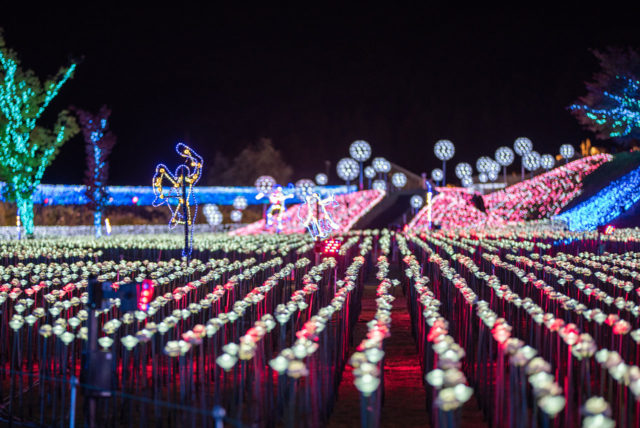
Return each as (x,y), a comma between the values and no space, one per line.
(99,143)
(611,108)
(25,148)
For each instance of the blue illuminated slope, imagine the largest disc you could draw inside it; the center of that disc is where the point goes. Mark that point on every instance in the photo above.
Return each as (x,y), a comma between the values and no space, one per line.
(606,205)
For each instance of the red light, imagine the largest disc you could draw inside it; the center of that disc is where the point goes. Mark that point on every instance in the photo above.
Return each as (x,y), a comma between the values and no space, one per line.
(145,295)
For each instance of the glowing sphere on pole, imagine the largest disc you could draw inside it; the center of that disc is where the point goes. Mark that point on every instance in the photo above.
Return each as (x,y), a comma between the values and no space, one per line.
(547,161)
(567,151)
(522,146)
(380,185)
(360,150)
(399,180)
(483,164)
(265,183)
(236,216)
(483,177)
(436,174)
(304,187)
(504,156)
(444,150)
(531,161)
(463,170)
(240,203)
(322,179)
(212,214)
(369,172)
(347,169)
(467,181)
(381,165)
(492,175)
(416,201)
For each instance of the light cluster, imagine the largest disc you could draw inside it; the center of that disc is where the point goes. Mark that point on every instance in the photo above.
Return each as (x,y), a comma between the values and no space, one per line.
(541,197)
(607,204)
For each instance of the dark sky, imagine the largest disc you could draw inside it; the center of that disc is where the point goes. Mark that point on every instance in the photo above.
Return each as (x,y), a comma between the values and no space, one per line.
(313,80)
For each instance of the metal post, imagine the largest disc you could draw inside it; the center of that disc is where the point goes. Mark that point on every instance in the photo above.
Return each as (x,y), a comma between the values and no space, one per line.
(187,253)
(444,173)
(72,411)
(361,176)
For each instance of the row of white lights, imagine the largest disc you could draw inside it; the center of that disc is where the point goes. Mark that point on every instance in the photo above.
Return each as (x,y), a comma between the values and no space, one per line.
(489,168)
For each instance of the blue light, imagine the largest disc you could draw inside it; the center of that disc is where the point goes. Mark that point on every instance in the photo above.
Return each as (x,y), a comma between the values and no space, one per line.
(606,204)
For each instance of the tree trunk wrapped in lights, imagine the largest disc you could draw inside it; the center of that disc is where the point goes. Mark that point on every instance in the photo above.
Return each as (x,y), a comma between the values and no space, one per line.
(26,149)
(100,142)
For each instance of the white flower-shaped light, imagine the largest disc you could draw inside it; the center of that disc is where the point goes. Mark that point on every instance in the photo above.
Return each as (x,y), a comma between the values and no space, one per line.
(304,187)
(322,179)
(522,146)
(347,169)
(379,185)
(381,165)
(399,179)
(416,201)
(210,212)
(236,216)
(483,164)
(531,161)
(463,170)
(360,150)
(240,203)
(265,183)
(547,161)
(369,172)
(444,150)
(567,151)
(436,174)
(467,182)
(483,177)
(492,175)
(504,156)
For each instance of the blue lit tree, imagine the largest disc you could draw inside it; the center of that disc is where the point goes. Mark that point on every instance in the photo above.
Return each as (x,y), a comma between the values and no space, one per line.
(99,143)
(611,108)
(25,148)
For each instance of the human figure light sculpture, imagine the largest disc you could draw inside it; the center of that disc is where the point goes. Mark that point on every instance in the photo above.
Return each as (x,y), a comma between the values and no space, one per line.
(275,212)
(318,227)
(176,191)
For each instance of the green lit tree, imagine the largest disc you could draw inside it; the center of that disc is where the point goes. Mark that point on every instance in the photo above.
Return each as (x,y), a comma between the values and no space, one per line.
(611,107)
(26,149)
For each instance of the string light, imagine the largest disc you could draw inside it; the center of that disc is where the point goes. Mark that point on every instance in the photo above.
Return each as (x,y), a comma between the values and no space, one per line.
(179,196)
(318,220)
(25,154)
(619,114)
(275,212)
(99,143)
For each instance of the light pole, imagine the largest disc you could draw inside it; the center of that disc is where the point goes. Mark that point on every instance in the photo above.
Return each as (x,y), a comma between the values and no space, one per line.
(444,150)
(360,150)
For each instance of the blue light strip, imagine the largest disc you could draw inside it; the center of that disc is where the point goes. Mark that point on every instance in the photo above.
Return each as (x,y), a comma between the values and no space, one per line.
(60,194)
(605,205)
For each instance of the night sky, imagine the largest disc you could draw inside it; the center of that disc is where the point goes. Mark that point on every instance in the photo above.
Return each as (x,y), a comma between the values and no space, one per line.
(313,80)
